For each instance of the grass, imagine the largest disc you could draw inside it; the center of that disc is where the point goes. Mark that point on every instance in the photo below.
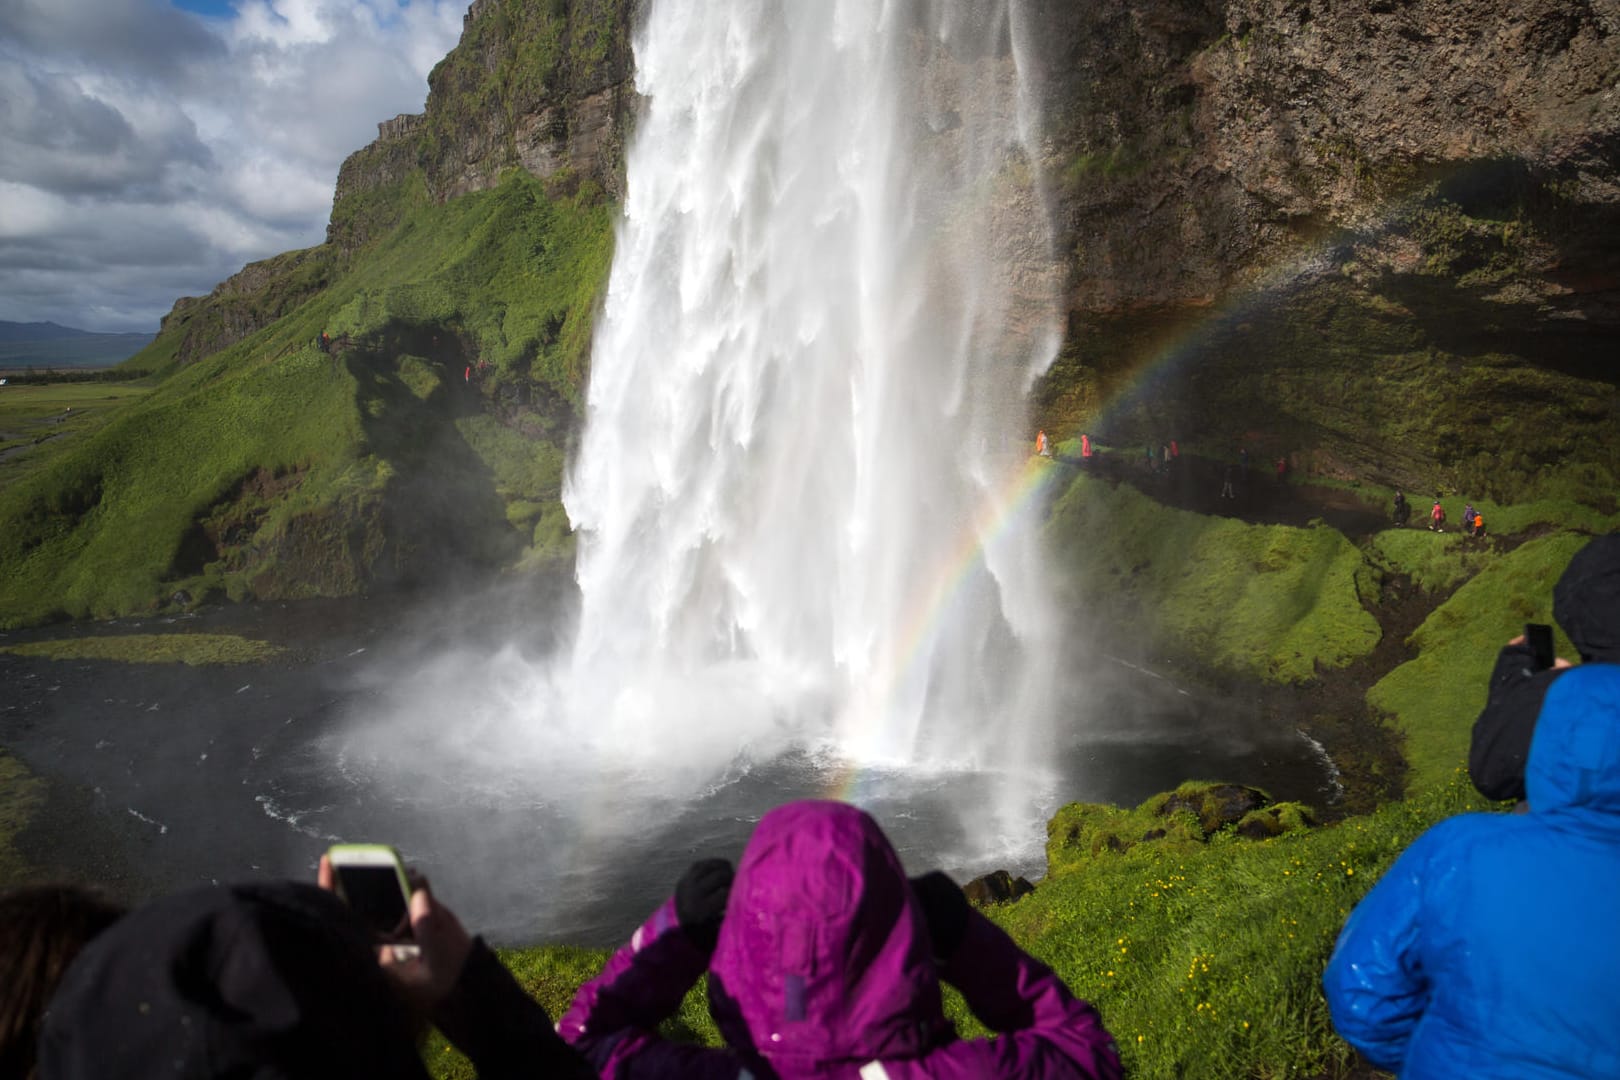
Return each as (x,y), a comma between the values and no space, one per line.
(1183,819)
(38,419)
(1436,562)
(1267,601)
(1435,697)
(195,650)
(1206,962)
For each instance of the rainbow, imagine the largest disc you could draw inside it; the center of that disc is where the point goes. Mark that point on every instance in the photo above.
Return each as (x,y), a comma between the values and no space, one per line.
(1001,506)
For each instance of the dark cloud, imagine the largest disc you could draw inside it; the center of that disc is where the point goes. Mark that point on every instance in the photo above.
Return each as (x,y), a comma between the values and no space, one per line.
(147,153)
(142,39)
(55,136)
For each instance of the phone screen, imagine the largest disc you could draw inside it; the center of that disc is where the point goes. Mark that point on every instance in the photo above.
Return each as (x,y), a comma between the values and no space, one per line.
(1539,637)
(374,893)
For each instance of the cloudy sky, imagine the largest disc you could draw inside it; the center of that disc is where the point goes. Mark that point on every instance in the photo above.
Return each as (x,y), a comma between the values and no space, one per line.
(149,148)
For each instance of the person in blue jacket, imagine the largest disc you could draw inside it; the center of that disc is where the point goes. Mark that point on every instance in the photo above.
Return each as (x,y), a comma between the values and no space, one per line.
(1490,949)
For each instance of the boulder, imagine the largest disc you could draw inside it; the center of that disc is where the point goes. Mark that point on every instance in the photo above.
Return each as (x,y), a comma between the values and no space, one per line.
(998,887)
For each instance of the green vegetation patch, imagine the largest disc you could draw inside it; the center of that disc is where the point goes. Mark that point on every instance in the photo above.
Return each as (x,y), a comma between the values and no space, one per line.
(1435,697)
(21,793)
(1190,816)
(40,419)
(1436,562)
(551,974)
(197,650)
(1260,600)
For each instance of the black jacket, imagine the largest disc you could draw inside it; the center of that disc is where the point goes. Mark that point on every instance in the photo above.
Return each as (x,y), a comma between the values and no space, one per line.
(273,981)
(1586,603)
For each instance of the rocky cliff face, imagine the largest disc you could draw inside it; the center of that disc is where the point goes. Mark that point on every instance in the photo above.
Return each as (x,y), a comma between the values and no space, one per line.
(1373,231)
(542,85)
(1361,233)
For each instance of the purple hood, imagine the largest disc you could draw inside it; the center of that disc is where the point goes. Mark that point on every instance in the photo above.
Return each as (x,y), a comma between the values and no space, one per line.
(824,954)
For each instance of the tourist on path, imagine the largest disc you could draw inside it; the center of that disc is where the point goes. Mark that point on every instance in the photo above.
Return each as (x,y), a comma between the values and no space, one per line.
(1488,950)
(1437,516)
(1403,509)
(824,961)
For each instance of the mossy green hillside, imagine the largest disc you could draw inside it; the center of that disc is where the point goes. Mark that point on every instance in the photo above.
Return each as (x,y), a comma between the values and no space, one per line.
(272,468)
(1267,601)
(1434,697)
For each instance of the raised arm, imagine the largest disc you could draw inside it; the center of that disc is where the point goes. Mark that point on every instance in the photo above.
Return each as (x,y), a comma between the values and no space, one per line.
(1500,743)
(614,1018)
(1044,1031)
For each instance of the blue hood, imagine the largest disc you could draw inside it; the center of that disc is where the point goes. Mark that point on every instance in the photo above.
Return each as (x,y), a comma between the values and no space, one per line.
(1575,754)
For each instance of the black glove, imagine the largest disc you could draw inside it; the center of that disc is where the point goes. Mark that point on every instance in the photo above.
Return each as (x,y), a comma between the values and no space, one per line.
(700,900)
(945,908)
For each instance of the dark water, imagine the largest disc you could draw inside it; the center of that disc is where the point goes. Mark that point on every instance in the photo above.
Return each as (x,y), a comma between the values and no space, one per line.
(162,775)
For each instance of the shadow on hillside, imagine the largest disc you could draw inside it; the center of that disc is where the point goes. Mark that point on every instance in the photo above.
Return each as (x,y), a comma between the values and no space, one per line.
(1257,496)
(443,512)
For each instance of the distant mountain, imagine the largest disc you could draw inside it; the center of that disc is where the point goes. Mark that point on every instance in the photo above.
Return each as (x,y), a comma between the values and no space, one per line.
(38,331)
(48,345)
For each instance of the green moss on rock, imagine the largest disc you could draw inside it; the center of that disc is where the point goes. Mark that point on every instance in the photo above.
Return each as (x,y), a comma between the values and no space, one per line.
(1178,820)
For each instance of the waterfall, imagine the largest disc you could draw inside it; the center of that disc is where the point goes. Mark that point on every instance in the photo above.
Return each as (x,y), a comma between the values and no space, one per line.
(798,490)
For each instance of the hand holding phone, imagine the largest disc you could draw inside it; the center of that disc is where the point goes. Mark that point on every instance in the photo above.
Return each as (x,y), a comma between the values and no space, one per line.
(374,881)
(1539,636)
(371,879)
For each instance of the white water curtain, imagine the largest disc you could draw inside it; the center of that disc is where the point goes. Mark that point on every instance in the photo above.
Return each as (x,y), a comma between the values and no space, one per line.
(798,492)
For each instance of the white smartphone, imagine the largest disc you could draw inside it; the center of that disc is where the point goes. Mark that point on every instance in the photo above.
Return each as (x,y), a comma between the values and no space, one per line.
(371,879)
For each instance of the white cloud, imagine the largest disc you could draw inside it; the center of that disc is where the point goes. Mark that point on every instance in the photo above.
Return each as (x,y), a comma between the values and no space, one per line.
(146,153)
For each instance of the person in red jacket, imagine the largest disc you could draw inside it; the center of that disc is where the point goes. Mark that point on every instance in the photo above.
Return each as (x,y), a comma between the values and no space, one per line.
(1437,517)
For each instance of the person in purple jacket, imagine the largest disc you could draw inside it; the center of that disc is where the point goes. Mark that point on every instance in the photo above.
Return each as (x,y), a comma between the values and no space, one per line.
(824,961)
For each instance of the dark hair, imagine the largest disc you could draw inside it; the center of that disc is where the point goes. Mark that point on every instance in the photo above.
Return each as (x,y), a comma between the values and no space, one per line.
(42,928)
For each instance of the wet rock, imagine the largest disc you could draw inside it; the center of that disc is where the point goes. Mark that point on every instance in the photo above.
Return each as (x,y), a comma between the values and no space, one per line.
(1215,805)
(998,887)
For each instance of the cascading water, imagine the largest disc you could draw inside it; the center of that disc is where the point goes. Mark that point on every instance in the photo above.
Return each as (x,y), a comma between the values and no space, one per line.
(807,559)
(796,492)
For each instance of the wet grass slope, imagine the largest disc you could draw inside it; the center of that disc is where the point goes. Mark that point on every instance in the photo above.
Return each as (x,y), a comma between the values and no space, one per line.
(272,468)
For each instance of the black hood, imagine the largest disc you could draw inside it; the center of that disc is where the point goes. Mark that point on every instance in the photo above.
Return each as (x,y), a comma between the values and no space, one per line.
(263,981)
(1586,600)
